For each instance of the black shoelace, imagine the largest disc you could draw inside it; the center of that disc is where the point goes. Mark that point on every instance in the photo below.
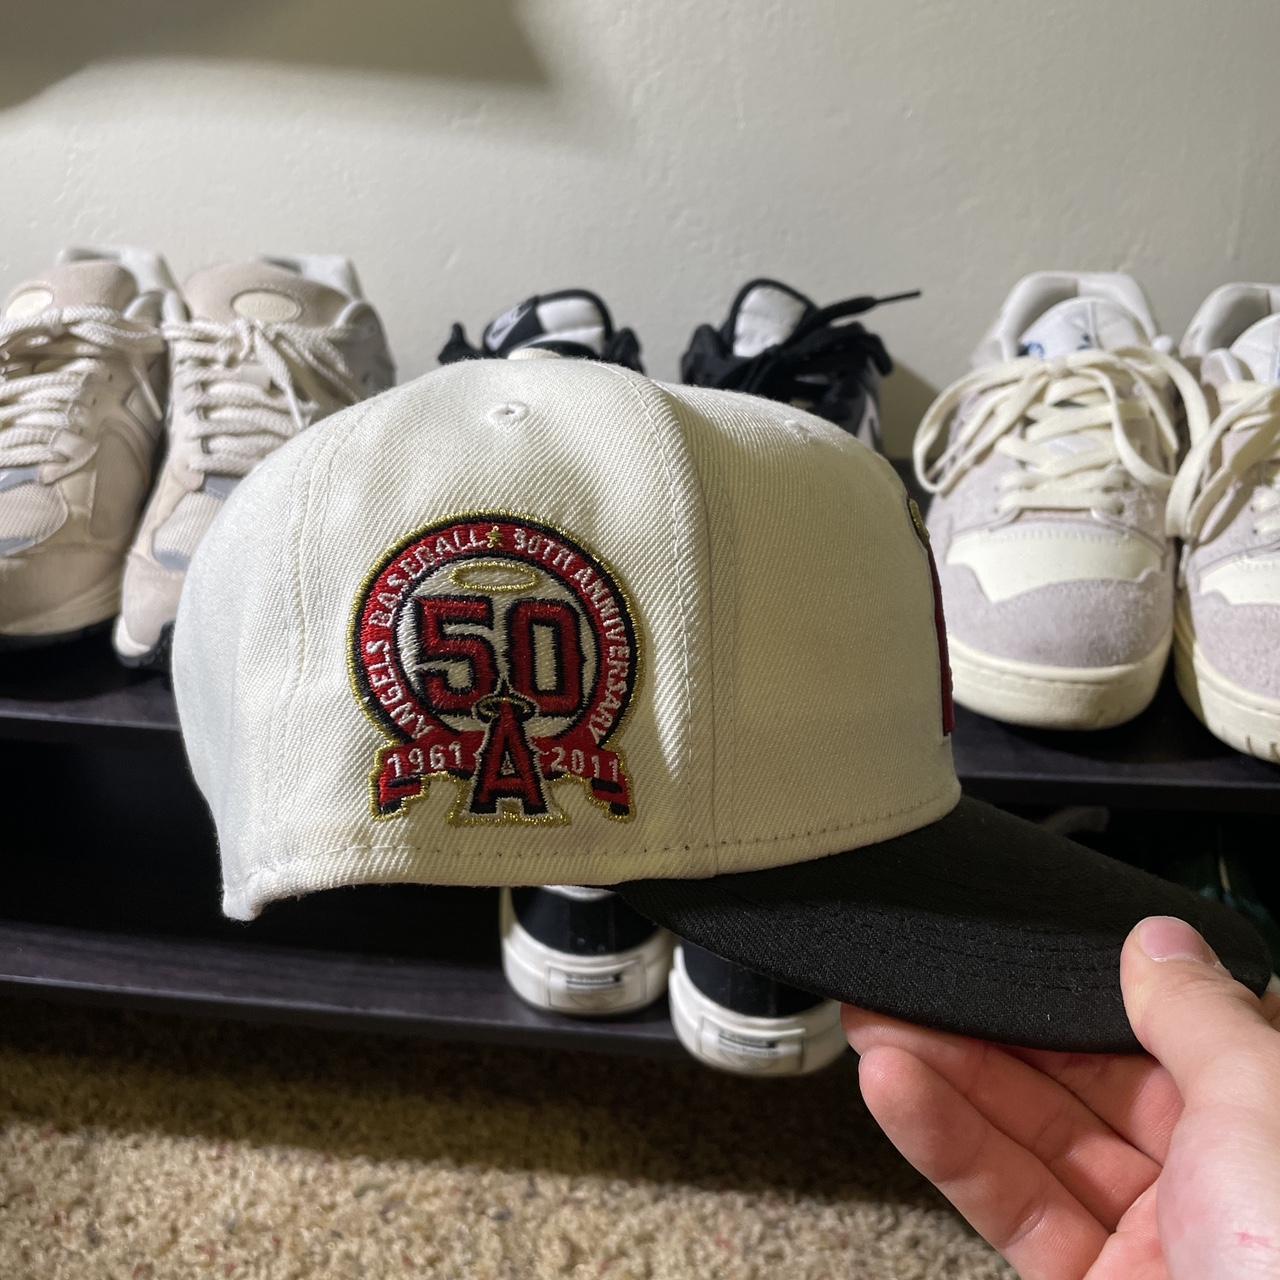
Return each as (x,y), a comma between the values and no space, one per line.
(621,347)
(820,364)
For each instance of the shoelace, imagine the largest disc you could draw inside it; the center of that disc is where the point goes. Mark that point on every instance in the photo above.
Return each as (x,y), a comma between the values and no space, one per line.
(819,364)
(1251,411)
(39,410)
(228,407)
(1021,408)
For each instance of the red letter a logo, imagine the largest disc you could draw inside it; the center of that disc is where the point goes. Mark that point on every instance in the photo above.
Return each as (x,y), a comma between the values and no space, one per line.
(505,765)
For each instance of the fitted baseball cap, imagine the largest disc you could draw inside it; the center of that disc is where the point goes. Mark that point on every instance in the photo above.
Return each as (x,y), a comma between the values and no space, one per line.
(542,621)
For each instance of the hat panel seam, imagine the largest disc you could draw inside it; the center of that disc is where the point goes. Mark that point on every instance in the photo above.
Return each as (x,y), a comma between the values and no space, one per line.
(730,699)
(259,765)
(727,728)
(303,478)
(676,543)
(329,448)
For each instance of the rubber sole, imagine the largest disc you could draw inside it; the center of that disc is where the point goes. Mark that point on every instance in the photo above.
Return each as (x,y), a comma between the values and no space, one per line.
(1244,720)
(131,655)
(1045,697)
(749,1046)
(585,986)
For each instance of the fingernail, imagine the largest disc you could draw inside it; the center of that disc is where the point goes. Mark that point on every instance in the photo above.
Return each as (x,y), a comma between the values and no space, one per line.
(1273,986)
(1168,938)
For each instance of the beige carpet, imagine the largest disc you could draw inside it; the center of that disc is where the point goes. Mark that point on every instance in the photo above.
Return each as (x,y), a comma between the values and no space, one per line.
(139,1147)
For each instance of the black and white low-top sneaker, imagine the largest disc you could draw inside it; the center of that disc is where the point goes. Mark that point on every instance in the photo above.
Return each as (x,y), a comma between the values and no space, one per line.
(779,344)
(570,322)
(739,1021)
(582,951)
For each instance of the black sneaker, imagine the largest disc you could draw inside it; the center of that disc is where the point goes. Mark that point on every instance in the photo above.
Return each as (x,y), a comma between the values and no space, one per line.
(582,951)
(779,344)
(572,322)
(731,1018)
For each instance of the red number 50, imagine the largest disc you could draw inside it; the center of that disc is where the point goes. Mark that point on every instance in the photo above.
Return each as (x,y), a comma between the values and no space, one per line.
(441,642)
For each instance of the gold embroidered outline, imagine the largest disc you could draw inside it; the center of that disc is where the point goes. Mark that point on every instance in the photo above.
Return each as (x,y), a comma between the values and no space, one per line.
(456,816)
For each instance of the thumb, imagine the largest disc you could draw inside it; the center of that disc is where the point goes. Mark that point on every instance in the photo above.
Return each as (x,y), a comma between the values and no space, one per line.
(1190,1013)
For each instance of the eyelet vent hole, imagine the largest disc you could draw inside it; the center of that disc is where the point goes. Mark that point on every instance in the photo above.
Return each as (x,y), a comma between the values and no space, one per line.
(802,431)
(508,414)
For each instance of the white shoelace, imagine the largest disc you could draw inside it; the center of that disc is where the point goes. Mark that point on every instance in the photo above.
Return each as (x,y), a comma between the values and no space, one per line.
(1250,411)
(40,406)
(1021,409)
(229,408)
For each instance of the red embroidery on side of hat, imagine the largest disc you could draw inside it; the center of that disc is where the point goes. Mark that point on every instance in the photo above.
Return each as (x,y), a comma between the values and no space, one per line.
(499,652)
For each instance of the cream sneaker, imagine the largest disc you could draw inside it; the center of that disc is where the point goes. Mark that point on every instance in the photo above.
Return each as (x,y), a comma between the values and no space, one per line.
(1225,505)
(82,382)
(1053,459)
(271,347)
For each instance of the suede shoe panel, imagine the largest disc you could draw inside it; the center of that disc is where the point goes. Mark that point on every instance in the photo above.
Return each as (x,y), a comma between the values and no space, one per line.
(1067,624)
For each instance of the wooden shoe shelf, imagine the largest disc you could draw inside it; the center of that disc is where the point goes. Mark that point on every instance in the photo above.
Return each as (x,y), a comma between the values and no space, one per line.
(111,886)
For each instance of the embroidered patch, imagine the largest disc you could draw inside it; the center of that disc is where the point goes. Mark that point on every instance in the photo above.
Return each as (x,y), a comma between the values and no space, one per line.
(500,653)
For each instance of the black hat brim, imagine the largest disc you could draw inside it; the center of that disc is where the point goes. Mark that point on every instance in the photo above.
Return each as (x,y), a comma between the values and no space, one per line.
(980,923)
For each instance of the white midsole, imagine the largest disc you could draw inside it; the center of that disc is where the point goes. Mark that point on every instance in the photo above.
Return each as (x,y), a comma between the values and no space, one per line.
(125,644)
(750,1046)
(1247,721)
(586,986)
(99,603)
(1048,697)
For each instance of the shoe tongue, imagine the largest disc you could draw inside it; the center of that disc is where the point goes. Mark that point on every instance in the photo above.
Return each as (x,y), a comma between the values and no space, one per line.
(1082,324)
(765,315)
(574,316)
(1258,349)
(73,284)
(262,291)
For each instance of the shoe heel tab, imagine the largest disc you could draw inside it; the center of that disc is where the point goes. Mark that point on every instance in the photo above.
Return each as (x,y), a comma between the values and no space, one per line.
(330,269)
(149,269)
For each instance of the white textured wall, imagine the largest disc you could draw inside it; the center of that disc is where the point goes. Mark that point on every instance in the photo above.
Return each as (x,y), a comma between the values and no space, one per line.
(469,152)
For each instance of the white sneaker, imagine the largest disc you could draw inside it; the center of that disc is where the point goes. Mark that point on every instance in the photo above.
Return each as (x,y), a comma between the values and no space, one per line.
(271,347)
(1048,516)
(82,383)
(584,951)
(747,1024)
(1225,505)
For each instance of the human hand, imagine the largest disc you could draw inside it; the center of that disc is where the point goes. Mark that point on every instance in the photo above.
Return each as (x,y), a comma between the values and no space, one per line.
(1105,1167)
